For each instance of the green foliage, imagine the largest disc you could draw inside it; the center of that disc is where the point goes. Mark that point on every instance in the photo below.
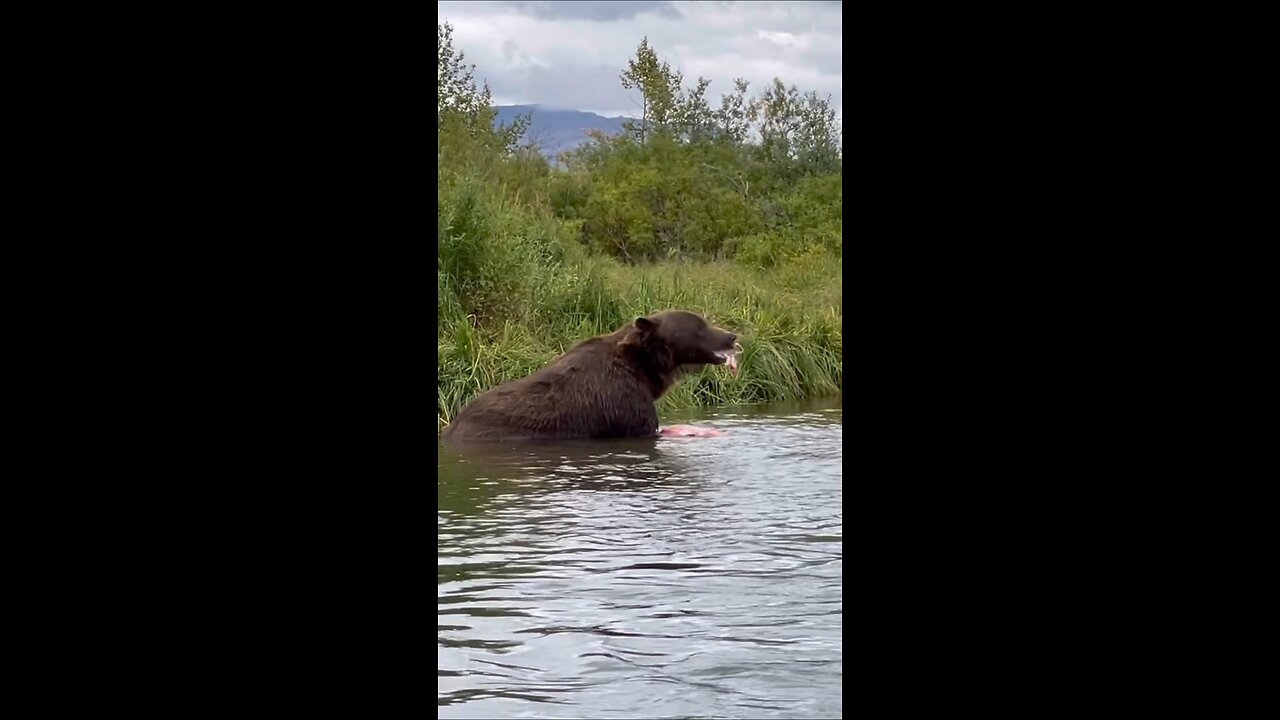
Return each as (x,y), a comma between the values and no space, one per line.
(798,132)
(733,120)
(662,199)
(806,222)
(685,182)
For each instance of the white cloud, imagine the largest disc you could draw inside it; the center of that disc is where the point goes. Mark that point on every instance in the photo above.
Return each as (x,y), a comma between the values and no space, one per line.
(570,54)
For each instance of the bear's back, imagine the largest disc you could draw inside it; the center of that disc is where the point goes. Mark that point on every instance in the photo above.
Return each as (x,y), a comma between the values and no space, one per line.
(589,392)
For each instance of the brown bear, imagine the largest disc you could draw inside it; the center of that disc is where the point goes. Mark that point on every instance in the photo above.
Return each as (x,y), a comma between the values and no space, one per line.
(604,387)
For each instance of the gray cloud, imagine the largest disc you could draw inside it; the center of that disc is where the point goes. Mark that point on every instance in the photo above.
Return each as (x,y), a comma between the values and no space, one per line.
(601,11)
(570,54)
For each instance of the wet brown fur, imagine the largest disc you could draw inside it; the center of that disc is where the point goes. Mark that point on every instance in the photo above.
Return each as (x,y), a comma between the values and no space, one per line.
(604,387)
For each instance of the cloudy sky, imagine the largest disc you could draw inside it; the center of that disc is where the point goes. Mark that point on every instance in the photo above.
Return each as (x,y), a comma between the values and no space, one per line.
(569,54)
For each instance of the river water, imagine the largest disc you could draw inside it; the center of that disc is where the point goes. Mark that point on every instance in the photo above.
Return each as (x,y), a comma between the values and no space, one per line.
(668,578)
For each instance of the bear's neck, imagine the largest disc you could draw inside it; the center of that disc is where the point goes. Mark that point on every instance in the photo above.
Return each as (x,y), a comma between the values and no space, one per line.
(653,362)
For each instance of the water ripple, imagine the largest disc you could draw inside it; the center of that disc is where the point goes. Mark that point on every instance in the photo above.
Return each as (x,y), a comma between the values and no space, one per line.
(682,577)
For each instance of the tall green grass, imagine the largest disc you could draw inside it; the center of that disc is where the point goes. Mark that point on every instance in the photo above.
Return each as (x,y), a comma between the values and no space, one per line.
(791,337)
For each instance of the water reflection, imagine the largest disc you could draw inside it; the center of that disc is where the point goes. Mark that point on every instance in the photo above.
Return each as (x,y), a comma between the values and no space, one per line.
(469,475)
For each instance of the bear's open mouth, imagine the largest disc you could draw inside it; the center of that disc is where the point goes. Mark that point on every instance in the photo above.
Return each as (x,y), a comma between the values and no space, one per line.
(729,358)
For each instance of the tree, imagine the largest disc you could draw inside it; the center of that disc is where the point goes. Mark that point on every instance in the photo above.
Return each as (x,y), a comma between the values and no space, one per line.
(455,80)
(817,138)
(461,105)
(695,120)
(659,90)
(796,128)
(776,112)
(734,119)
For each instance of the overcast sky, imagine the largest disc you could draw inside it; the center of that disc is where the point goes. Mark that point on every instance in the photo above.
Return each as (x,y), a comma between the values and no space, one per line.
(569,54)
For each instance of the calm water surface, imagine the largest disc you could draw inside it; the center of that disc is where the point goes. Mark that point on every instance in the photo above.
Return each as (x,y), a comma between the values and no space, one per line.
(669,578)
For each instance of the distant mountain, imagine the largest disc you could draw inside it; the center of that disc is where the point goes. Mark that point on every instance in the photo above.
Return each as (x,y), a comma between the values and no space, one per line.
(554,130)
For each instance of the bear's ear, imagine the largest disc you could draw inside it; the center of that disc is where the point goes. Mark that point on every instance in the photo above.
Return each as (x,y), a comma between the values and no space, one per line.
(645,324)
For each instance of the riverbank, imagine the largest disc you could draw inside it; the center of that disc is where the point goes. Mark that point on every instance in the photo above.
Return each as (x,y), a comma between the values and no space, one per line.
(788,321)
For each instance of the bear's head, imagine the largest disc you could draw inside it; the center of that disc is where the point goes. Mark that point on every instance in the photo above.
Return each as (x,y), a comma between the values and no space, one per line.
(689,340)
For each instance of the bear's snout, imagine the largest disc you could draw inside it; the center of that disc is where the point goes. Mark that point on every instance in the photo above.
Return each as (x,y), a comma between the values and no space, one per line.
(723,337)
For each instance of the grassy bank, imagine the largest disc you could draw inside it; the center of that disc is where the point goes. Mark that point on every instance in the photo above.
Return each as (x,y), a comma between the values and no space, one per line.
(788,320)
